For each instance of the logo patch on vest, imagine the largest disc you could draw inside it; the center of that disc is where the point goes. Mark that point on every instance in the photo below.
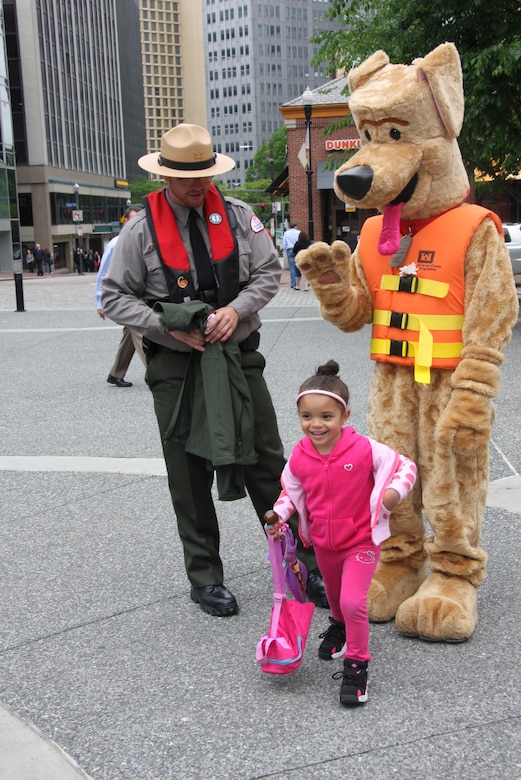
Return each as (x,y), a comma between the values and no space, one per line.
(256,225)
(215,218)
(426,256)
(182,282)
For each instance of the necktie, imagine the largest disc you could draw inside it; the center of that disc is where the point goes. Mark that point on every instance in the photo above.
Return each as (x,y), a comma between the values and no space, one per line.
(203,264)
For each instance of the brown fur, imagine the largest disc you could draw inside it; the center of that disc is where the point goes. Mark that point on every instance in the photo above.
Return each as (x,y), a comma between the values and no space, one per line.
(445,425)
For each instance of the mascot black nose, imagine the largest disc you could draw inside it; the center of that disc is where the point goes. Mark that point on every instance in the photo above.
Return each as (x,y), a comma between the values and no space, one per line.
(356,182)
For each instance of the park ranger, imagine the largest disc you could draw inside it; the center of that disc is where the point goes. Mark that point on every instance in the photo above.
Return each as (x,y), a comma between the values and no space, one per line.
(192,250)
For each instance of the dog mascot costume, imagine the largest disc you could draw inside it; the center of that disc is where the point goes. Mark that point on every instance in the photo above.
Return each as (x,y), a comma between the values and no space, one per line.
(433,276)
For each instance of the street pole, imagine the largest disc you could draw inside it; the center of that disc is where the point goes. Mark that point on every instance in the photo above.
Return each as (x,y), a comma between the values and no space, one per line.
(79,226)
(18,283)
(309,172)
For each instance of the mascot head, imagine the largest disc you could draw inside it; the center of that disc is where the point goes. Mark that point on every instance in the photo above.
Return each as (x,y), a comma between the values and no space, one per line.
(408,117)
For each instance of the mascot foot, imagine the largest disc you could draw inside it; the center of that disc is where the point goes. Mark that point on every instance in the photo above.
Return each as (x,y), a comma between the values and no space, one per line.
(443,610)
(392,584)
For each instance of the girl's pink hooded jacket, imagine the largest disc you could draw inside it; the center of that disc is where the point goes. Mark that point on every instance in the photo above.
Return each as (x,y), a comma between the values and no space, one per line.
(339,496)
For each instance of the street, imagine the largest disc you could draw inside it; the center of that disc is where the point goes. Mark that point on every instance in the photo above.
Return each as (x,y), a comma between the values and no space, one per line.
(101,648)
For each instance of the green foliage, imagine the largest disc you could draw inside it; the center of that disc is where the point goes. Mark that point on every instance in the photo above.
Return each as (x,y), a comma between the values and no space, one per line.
(252,193)
(270,158)
(488,38)
(142,186)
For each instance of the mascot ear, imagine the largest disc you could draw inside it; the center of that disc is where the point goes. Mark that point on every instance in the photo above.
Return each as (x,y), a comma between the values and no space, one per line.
(358,76)
(441,68)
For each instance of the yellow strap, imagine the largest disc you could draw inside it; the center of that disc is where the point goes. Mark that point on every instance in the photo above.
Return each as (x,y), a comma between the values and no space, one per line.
(421,286)
(449,350)
(422,351)
(412,321)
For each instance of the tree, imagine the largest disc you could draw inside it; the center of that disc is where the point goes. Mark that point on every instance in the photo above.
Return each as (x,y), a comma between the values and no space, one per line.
(270,158)
(488,39)
(142,186)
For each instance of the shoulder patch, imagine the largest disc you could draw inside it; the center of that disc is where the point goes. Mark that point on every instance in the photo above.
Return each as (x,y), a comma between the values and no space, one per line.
(255,224)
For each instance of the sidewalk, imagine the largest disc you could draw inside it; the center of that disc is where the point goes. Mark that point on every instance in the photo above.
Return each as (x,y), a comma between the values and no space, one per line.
(109,672)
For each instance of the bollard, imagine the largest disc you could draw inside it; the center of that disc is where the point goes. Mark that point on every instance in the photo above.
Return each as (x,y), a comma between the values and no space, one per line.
(18,284)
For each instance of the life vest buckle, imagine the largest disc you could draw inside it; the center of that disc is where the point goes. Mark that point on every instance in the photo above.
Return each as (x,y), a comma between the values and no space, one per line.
(398,348)
(408,284)
(399,320)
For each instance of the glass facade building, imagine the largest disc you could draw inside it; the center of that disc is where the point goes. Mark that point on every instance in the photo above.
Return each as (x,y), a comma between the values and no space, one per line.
(258,56)
(78,117)
(9,223)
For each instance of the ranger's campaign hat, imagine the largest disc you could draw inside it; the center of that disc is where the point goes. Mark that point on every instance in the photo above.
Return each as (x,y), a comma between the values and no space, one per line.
(186,153)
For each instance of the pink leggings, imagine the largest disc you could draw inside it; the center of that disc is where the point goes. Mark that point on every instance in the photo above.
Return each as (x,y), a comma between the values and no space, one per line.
(347,575)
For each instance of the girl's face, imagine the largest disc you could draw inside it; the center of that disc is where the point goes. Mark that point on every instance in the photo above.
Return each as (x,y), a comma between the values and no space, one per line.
(321,419)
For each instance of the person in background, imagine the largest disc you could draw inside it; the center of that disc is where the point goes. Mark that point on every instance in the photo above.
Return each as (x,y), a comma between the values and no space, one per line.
(38,258)
(344,487)
(192,249)
(131,340)
(78,261)
(302,243)
(29,259)
(47,260)
(289,239)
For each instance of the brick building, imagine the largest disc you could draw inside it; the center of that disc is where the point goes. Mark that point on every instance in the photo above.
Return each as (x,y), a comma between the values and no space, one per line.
(329,218)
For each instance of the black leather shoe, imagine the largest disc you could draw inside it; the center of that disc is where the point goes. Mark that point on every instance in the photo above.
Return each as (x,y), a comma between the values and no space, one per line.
(215,600)
(112,380)
(315,589)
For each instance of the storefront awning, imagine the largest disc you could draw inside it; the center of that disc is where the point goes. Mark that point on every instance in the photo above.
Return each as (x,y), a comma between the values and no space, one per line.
(280,185)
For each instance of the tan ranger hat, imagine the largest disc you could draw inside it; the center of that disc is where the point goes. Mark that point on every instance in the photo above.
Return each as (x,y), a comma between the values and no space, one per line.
(186,153)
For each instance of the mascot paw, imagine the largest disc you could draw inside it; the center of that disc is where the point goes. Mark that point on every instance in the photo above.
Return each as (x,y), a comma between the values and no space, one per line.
(322,264)
(392,584)
(443,610)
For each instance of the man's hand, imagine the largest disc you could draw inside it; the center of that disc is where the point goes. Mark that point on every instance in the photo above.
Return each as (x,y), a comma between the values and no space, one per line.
(101,314)
(194,339)
(223,325)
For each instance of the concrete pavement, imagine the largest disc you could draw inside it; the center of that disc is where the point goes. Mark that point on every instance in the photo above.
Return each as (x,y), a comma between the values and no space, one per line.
(107,670)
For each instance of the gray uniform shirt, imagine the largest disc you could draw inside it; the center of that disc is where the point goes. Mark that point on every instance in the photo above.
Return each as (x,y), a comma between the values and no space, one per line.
(136,275)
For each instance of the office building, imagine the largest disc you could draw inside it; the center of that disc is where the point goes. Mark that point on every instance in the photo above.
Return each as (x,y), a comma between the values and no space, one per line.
(258,57)
(173,66)
(9,223)
(76,120)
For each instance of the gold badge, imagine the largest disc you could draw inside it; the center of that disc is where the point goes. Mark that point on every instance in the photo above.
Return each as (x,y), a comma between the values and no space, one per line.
(182,282)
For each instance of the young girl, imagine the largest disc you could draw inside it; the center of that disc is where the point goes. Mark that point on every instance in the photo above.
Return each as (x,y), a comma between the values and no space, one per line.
(344,487)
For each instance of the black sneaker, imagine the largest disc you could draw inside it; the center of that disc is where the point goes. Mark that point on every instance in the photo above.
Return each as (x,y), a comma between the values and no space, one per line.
(333,643)
(315,589)
(354,682)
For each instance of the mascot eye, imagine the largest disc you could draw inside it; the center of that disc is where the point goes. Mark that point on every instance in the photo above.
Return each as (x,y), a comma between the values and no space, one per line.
(367,135)
(395,134)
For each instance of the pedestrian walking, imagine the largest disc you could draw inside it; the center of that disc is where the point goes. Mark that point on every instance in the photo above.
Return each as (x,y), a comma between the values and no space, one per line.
(289,239)
(38,259)
(131,340)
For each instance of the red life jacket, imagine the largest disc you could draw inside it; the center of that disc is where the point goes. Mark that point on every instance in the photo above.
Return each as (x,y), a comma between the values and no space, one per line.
(174,257)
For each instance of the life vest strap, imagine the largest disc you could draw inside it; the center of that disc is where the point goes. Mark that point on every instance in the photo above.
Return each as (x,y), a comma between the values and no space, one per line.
(413,284)
(403,321)
(422,351)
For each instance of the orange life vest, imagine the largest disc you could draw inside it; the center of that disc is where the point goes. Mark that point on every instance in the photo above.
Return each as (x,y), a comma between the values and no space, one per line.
(418,317)
(174,257)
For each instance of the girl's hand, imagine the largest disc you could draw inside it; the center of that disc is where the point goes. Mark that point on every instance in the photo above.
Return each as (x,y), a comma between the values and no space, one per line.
(273,523)
(391,499)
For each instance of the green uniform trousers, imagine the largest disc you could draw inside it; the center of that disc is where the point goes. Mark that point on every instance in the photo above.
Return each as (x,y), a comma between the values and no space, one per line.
(190,479)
